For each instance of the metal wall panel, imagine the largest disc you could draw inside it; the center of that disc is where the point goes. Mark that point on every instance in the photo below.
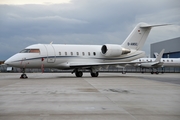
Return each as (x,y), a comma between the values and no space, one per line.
(171,46)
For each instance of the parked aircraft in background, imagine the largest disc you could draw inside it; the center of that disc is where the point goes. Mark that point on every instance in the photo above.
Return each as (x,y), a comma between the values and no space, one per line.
(158,62)
(78,57)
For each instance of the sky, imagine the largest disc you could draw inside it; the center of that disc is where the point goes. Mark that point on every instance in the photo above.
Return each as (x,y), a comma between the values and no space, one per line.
(92,22)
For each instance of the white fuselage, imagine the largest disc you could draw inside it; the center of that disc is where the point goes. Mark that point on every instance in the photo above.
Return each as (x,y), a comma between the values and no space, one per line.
(60,56)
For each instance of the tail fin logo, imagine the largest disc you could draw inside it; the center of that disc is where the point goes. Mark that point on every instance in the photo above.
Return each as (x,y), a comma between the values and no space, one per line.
(132,44)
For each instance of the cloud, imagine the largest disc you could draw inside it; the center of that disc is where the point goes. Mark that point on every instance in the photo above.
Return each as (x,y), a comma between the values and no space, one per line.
(84,22)
(22,2)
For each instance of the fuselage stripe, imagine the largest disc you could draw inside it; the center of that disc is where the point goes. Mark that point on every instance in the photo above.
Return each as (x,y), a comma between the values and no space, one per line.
(82,57)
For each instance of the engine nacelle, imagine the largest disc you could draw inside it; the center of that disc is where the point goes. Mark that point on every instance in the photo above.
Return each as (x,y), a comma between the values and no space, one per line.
(113,50)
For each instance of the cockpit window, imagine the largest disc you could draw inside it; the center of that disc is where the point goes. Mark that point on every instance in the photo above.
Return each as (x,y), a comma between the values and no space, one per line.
(34,51)
(30,51)
(25,51)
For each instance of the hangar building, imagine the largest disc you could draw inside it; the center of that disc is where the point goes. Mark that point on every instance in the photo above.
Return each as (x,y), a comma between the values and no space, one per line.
(171,46)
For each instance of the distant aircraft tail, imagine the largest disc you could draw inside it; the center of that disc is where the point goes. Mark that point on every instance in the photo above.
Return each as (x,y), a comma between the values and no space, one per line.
(138,36)
(156,54)
(158,58)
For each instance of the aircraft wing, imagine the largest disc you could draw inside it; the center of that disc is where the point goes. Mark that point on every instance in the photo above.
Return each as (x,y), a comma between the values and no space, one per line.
(159,64)
(86,65)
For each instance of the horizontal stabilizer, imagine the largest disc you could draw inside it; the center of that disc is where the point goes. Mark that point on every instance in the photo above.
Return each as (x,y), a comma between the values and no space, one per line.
(146,25)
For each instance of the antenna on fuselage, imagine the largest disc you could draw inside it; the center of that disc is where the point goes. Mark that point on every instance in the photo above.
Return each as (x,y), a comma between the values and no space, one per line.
(51,43)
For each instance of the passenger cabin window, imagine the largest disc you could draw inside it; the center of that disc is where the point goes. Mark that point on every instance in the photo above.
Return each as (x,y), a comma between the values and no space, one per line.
(71,53)
(83,53)
(59,53)
(30,51)
(171,60)
(89,53)
(94,53)
(77,53)
(65,53)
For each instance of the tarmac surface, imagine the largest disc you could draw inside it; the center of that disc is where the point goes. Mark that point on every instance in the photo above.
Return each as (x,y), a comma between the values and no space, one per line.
(111,96)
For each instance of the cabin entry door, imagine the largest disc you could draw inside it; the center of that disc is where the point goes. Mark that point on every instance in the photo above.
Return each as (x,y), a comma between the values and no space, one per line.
(51,57)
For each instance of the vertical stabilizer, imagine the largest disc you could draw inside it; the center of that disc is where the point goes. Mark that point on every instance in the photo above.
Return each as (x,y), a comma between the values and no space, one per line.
(158,58)
(138,36)
(156,54)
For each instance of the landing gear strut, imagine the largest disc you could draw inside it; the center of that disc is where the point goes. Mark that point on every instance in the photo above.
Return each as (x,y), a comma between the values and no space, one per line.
(94,72)
(23,75)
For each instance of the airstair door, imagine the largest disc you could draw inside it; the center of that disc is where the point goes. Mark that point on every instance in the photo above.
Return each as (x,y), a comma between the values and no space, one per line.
(51,56)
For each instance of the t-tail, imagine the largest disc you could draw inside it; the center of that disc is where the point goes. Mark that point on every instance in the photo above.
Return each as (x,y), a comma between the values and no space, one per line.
(138,36)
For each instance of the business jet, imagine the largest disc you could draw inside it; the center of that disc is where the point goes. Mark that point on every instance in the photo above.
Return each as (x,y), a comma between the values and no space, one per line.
(78,57)
(157,62)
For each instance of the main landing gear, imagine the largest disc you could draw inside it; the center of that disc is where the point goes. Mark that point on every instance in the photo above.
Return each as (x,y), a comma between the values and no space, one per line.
(79,73)
(157,72)
(124,71)
(23,75)
(94,74)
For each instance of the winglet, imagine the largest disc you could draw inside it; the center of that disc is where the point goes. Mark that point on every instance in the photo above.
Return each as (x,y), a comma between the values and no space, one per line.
(159,56)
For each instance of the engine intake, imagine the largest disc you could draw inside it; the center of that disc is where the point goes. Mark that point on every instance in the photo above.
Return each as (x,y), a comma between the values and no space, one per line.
(113,50)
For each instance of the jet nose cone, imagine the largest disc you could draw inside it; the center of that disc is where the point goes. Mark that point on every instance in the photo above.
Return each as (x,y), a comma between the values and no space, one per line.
(7,62)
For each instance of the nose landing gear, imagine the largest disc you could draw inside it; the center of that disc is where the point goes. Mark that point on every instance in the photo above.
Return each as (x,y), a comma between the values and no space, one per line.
(23,75)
